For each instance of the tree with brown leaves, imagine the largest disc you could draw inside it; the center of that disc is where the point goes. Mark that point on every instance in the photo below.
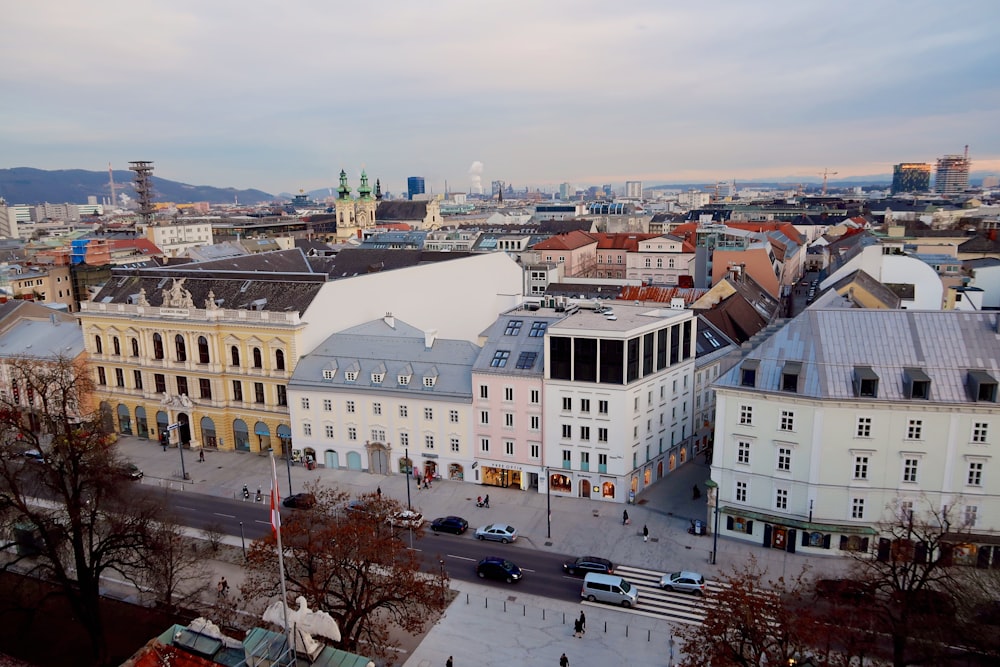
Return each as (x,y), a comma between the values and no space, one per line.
(349,561)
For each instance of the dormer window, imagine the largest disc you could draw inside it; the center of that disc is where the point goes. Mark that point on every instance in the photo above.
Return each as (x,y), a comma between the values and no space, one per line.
(790,376)
(748,373)
(429,381)
(982,386)
(403,380)
(377,378)
(865,382)
(916,384)
(328,373)
(351,376)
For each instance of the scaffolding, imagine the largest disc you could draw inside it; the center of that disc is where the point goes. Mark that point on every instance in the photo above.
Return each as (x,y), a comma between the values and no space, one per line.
(144,189)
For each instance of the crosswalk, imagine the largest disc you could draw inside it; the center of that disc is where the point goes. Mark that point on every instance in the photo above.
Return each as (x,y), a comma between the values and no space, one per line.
(658,603)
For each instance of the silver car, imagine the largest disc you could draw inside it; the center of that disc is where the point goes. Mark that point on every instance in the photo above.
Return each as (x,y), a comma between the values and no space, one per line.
(497,531)
(686,582)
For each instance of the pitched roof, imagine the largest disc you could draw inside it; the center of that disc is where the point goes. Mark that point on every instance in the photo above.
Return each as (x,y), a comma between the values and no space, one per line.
(568,241)
(400,209)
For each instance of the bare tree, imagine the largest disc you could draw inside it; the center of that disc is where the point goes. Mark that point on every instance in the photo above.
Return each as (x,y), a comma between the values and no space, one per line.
(71,498)
(353,565)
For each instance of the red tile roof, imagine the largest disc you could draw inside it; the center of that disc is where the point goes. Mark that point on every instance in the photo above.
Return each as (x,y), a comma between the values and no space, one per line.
(568,241)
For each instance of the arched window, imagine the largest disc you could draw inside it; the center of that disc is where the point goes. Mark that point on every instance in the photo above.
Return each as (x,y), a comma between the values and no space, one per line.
(659,262)
(648,262)
(118,346)
(100,344)
(671,263)
(135,347)
(202,350)
(279,360)
(157,346)
(235,352)
(181,348)
(258,359)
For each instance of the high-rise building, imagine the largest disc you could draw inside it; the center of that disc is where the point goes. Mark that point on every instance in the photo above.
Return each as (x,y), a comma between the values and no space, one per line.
(414,186)
(911,177)
(633,189)
(566,191)
(952,174)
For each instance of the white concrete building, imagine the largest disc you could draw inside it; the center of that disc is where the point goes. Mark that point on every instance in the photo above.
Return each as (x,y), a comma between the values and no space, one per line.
(844,418)
(617,398)
(175,238)
(917,283)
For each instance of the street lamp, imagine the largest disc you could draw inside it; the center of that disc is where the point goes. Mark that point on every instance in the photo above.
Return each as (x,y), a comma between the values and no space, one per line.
(409,471)
(548,504)
(714,489)
(286,444)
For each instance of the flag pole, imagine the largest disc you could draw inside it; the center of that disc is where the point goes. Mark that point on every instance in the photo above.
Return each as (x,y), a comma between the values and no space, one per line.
(276,527)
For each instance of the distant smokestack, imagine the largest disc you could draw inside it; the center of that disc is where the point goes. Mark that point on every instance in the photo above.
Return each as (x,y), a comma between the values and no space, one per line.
(476,177)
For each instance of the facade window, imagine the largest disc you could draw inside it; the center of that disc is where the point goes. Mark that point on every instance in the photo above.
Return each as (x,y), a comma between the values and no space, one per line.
(237,390)
(182,386)
(536,396)
(602,435)
(119,377)
(787,420)
(508,447)
(234,356)
(538,329)
(282,394)
(910,470)
(914,429)
(428,413)
(180,347)
(508,419)
(99,344)
(404,439)
(428,442)
(484,444)
(135,347)
(327,405)
(137,378)
(157,346)
(304,402)
(584,405)
(203,357)
(746,415)
(860,467)
(741,492)
(307,429)
(279,360)
(205,388)
(453,416)
(352,433)
(784,459)
(117,345)
(970,515)
(975,477)
(484,391)
(567,404)
(500,358)
(602,407)
(567,458)
(513,327)
(484,417)
(980,432)
(536,422)
(743,452)
(349,406)
(508,393)
(328,430)
(567,431)
(258,358)
(857,508)
(602,462)
(864,427)
(536,451)
(781,499)
(378,435)
(404,411)
(258,392)
(584,433)
(376,408)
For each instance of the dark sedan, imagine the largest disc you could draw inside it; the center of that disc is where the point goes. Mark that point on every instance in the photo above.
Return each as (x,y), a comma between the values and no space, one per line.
(299,501)
(494,567)
(450,524)
(585,564)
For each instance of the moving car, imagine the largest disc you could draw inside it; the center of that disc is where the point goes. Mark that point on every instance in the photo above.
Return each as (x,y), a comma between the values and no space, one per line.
(131,471)
(686,582)
(609,588)
(299,501)
(585,564)
(407,519)
(449,524)
(499,532)
(494,567)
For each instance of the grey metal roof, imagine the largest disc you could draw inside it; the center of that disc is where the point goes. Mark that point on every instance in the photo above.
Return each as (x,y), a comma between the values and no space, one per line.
(377,347)
(44,339)
(525,350)
(830,343)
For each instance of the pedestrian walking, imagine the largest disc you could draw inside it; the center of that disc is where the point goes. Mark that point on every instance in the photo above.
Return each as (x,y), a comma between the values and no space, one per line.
(563,661)
(624,517)
(577,629)
(583,620)
(223,587)
(486,501)
(201,456)
(695,493)
(645,533)
(426,485)
(378,491)
(447,663)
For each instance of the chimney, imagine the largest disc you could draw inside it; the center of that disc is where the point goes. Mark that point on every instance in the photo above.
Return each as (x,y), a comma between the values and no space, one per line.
(390,320)
(429,337)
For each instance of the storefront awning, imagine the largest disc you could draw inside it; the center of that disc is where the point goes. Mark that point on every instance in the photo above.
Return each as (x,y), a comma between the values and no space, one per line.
(807,526)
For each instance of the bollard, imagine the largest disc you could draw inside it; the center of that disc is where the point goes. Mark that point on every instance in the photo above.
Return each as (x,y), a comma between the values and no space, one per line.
(466,598)
(626,631)
(649,635)
(505,606)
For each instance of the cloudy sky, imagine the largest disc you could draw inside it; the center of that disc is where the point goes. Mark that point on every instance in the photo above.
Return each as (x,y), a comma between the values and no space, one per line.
(282,95)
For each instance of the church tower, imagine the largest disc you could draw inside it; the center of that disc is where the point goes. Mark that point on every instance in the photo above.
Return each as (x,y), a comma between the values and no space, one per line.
(344,205)
(366,204)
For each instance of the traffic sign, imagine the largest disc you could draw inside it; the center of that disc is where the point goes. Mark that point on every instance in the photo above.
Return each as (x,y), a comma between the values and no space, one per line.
(174,426)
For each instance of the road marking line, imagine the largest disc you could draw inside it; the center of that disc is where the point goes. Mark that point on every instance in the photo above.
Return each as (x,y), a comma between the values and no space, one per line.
(228,516)
(460,557)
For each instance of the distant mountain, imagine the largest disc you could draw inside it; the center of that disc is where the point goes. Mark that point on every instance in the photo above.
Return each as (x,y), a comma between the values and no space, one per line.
(24,185)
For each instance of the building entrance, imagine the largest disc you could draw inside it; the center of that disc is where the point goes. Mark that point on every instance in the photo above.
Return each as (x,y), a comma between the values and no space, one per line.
(502,477)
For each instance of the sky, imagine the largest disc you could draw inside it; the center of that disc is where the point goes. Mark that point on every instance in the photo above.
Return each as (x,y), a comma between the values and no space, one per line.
(281,95)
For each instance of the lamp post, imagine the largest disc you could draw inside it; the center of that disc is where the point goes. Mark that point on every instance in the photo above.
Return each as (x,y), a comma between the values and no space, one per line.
(243,541)
(286,444)
(409,471)
(714,489)
(548,504)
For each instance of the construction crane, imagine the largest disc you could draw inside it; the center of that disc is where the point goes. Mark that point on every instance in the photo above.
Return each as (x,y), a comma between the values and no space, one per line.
(826,172)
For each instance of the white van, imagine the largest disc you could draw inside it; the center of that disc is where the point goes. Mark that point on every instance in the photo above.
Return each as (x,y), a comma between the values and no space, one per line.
(609,588)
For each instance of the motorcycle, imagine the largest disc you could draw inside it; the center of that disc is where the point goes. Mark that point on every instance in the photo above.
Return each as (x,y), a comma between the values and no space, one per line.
(246,492)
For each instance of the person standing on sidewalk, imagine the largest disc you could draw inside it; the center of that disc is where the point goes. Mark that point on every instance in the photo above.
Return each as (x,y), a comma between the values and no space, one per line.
(624,517)
(645,533)
(563,661)
(583,621)
(447,663)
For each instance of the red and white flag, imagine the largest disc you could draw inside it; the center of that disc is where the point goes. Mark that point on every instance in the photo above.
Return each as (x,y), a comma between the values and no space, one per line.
(275,513)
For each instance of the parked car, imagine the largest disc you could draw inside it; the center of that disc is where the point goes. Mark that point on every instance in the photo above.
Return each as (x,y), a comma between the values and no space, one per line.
(130,470)
(36,456)
(299,501)
(843,589)
(450,524)
(357,506)
(585,564)
(685,582)
(499,532)
(407,519)
(493,567)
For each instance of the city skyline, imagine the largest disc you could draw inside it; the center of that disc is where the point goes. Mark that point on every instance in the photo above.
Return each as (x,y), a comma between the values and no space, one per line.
(535,95)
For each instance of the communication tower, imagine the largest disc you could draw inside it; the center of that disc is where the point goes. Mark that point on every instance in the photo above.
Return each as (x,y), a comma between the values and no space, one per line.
(144,189)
